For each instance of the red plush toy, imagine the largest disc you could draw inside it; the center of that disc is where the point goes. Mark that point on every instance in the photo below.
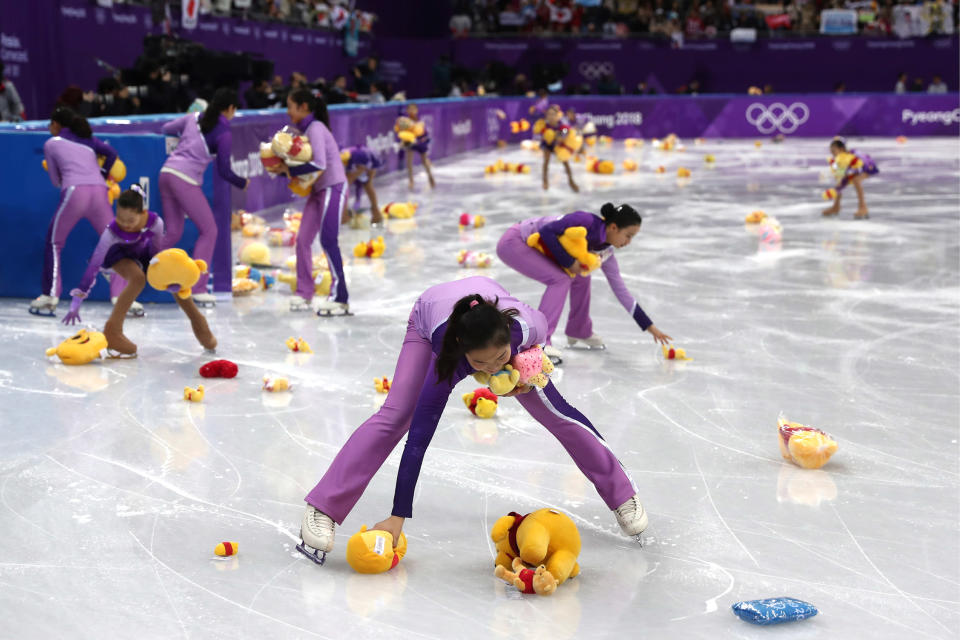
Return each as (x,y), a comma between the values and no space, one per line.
(219,369)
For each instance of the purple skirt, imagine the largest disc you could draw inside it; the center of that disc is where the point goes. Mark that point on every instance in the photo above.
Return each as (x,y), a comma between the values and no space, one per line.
(134,251)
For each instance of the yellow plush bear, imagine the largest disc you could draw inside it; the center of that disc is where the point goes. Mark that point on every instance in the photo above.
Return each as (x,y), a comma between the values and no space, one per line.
(502,382)
(372,551)
(596,165)
(546,537)
(174,267)
(371,249)
(399,209)
(574,242)
(81,348)
(193,395)
(568,145)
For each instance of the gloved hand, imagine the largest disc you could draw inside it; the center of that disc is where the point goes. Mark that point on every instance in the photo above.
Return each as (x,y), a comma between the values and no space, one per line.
(73,316)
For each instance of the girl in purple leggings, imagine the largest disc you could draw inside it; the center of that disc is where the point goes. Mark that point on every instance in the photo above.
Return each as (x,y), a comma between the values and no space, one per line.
(203,137)
(361,164)
(614,230)
(455,329)
(71,156)
(324,207)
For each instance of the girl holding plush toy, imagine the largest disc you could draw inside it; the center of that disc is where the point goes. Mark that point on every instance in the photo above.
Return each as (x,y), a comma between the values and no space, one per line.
(563,273)
(71,160)
(202,137)
(361,165)
(553,129)
(457,328)
(125,248)
(324,208)
(414,137)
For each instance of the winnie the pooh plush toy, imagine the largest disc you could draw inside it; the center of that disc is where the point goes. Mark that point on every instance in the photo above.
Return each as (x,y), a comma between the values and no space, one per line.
(173,267)
(289,148)
(529,367)
(481,402)
(574,242)
(373,552)
(569,144)
(538,581)
(545,537)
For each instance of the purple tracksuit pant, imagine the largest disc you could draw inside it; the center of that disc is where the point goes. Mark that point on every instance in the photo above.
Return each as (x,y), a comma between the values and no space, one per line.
(76,202)
(513,250)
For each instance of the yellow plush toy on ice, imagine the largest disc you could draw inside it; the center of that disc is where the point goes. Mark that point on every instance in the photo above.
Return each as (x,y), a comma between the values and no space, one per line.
(709,158)
(481,402)
(254,253)
(683,172)
(596,165)
(400,209)
(518,167)
(629,165)
(830,194)
(373,552)
(574,242)
(321,281)
(496,167)
(372,249)
(193,395)
(660,170)
(80,348)
(605,140)
(805,446)
(225,549)
(382,385)
(275,384)
(173,267)
(631,143)
(298,345)
(755,217)
(546,537)
(674,353)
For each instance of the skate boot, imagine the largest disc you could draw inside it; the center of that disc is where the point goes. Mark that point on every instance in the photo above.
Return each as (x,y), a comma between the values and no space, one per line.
(316,533)
(555,355)
(593,342)
(632,518)
(329,308)
(117,344)
(205,300)
(135,310)
(44,306)
(297,303)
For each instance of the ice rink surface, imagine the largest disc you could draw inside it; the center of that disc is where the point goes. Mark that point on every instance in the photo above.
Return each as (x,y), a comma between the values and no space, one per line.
(114,491)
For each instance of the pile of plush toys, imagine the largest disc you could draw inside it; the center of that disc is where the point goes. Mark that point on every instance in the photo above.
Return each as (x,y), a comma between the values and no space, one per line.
(287,149)
(474,259)
(529,367)
(546,540)
(506,167)
(408,130)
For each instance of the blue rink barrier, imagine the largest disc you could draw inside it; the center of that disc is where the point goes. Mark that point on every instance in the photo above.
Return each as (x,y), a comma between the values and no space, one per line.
(28,201)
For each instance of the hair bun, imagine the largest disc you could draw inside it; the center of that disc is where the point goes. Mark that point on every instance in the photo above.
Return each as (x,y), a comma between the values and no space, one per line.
(607,210)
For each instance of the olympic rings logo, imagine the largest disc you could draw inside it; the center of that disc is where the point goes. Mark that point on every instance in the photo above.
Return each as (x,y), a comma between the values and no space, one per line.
(595,70)
(777,117)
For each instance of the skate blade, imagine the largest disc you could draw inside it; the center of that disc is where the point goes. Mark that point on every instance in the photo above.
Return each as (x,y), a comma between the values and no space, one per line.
(116,355)
(638,539)
(312,553)
(333,314)
(136,314)
(47,313)
(586,347)
(556,360)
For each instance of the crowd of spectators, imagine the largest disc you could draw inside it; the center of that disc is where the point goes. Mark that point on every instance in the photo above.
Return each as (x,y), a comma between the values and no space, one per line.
(693,18)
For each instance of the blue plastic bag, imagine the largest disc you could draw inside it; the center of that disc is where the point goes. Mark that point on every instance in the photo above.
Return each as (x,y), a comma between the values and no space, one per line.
(773,610)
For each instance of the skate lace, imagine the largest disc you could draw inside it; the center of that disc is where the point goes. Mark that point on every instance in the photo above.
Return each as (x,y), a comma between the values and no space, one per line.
(628,510)
(319,523)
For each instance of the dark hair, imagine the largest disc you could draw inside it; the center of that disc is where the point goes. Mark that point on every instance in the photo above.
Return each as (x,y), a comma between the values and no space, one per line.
(839,143)
(222,100)
(622,216)
(316,104)
(474,323)
(130,199)
(67,117)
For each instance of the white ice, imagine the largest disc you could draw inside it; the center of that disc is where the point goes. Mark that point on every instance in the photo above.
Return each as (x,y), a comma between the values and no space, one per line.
(114,491)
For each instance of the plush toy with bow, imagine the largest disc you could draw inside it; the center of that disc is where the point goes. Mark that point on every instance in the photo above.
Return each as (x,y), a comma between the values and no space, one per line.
(545,538)
(529,367)
(481,402)
(371,249)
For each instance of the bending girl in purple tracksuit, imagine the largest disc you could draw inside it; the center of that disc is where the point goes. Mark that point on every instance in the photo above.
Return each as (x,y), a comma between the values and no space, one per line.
(71,156)
(324,207)
(126,247)
(202,137)
(455,329)
(614,231)
(361,164)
